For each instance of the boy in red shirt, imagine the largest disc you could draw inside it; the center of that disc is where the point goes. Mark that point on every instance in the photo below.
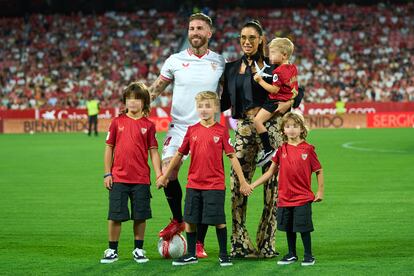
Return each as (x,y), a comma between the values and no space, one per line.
(295,160)
(127,174)
(283,88)
(204,202)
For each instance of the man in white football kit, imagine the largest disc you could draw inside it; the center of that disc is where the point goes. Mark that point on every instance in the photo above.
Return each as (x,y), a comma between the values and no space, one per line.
(191,71)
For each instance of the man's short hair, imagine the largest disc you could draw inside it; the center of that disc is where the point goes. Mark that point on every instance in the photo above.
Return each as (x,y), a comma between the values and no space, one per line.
(202,17)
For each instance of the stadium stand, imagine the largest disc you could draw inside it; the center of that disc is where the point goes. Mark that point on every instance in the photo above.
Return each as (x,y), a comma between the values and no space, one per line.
(363,54)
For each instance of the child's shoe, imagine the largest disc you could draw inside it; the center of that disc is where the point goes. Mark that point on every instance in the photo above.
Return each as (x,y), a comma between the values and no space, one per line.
(225,260)
(308,260)
(185,260)
(110,256)
(264,157)
(288,259)
(139,256)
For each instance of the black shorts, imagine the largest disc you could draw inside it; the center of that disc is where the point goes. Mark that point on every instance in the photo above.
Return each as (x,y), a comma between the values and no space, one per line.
(204,206)
(270,105)
(295,219)
(140,196)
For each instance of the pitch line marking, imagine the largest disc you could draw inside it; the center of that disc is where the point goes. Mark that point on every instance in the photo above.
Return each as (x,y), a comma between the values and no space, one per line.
(350,145)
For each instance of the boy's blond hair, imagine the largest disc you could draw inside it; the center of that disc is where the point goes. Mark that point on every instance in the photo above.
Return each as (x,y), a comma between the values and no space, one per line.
(208,95)
(298,119)
(283,44)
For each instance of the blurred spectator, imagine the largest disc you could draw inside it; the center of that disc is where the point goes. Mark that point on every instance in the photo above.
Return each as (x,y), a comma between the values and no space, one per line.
(357,53)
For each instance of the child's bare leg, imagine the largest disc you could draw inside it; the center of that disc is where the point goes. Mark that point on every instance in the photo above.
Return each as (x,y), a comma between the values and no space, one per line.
(261,117)
(114,230)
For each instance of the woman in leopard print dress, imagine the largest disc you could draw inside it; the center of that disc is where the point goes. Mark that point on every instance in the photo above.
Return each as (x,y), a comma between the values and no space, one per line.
(245,97)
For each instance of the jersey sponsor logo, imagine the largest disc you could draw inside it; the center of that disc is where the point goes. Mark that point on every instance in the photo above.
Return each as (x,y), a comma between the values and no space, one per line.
(167,141)
(186,65)
(216,139)
(121,128)
(214,66)
(143,130)
(275,77)
(304,156)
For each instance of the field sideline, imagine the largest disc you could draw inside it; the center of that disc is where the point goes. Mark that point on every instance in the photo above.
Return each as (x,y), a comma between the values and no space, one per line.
(54,209)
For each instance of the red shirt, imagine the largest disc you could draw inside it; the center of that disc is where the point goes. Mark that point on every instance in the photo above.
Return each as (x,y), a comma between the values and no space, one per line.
(206,145)
(296,165)
(285,76)
(132,139)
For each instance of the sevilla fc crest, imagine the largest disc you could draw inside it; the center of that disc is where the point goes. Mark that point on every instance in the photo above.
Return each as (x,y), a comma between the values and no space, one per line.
(304,156)
(216,139)
(143,130)
(121,128)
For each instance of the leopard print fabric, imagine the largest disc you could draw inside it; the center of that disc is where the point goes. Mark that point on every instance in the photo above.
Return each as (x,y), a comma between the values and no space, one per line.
(247,144)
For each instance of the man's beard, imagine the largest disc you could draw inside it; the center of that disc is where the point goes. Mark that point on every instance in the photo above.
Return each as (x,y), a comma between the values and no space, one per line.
(201,41)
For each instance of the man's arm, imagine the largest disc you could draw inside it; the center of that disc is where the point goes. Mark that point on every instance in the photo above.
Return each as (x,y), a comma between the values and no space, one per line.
(157,87)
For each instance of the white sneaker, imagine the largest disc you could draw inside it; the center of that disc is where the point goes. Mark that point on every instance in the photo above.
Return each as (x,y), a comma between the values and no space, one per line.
(110,256)
(264,157)
(139,256)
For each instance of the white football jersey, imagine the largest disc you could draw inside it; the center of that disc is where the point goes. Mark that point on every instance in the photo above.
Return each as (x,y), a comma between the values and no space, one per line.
(190,75)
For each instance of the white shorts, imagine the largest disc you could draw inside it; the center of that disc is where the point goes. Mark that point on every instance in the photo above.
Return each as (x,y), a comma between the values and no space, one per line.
(173,140)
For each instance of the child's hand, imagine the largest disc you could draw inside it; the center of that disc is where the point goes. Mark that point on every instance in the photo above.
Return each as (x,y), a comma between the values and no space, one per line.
(108,182)
(318,197)
(246,189)
(257,78)
(162,182)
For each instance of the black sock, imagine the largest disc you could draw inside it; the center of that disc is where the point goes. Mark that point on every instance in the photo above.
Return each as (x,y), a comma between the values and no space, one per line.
(291,240)
(307,243)
(191,242)
(265,141)
(174,196)
(201,232)
(113,245)
(139,244)
(222,240)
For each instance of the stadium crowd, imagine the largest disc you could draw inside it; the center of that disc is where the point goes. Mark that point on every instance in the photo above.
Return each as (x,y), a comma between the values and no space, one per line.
(348,52)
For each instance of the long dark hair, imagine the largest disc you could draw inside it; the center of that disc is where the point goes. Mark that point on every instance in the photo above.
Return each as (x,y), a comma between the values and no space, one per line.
(138,90)
(255,24)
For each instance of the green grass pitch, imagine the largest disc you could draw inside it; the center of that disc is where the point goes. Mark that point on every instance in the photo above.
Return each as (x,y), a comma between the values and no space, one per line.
(53,210)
